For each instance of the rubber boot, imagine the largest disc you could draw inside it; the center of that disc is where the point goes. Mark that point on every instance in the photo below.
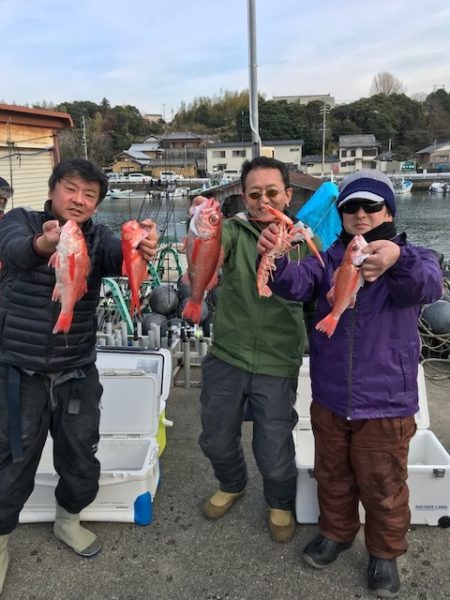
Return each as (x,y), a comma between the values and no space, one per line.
(67,528)
(4,559)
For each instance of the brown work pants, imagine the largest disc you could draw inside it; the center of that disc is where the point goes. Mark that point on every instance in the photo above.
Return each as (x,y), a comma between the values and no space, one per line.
(367,461)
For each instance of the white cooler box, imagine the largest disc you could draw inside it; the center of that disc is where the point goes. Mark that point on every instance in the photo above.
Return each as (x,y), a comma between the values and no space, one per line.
(428,463)
(128,450)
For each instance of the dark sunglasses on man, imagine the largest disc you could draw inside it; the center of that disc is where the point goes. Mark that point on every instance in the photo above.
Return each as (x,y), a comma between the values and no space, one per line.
(369,207)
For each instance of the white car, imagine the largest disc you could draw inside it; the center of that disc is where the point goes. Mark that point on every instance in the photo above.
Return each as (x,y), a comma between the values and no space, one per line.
(139,177)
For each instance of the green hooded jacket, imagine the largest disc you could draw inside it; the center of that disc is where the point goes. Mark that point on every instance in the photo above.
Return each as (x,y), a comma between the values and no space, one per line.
(258,335)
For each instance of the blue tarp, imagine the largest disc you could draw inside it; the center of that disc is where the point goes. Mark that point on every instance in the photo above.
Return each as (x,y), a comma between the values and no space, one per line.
(321,215)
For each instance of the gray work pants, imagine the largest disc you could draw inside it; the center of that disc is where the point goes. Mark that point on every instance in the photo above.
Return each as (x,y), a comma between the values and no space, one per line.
(225,390)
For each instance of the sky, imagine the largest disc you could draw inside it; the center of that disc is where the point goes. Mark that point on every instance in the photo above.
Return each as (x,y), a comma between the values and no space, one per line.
(158,54)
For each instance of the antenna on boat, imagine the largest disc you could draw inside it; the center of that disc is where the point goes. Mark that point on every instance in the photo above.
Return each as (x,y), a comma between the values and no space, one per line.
(253,84)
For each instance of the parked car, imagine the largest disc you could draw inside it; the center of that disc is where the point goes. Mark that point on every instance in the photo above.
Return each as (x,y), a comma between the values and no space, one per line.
(117,178)
(168,176)
(139,177)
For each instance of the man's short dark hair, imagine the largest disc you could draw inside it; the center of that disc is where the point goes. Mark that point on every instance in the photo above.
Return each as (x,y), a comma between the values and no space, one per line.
(85,169)
(6,190)
(265,162)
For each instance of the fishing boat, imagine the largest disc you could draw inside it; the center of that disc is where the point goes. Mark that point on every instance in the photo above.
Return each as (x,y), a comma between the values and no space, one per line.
(402,185)
(439,187)
(117,194)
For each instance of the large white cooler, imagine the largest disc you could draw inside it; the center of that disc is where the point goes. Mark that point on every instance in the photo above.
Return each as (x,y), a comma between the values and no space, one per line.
(135,386)
(428,463)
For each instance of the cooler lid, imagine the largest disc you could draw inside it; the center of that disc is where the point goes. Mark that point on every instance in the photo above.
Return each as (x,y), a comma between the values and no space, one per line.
(156,362)
(423,415)
(304,398)
(130,403)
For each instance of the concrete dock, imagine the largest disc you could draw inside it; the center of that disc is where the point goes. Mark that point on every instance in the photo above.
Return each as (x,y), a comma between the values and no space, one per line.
(182,556)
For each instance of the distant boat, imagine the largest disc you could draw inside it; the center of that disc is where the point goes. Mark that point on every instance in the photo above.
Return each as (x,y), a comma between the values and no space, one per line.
(439,187)
(116,194)
(402,185)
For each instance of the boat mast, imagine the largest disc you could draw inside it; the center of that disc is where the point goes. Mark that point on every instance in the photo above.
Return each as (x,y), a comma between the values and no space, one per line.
(253,88)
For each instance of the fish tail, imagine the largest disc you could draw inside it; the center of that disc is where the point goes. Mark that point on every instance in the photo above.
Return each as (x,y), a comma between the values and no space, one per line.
(193,311)
(63,323)
(327,325)
(135,304)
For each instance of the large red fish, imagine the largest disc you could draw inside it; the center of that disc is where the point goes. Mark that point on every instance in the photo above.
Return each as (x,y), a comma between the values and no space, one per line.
(347,281)
(72,266)
(134,266)
(203,251)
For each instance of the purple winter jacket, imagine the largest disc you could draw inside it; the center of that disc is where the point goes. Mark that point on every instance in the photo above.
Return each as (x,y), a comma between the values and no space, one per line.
(368,368)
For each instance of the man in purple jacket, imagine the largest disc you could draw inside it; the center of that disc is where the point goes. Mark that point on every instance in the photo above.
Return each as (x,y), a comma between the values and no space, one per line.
(364,378)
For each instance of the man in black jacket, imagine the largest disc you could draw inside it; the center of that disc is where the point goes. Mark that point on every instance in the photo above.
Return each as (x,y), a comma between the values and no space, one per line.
(49,382)
(6,192)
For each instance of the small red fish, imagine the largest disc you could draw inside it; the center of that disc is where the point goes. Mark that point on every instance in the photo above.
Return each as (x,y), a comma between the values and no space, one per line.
(134,266)
(72,266)
(204,254)
(347,282)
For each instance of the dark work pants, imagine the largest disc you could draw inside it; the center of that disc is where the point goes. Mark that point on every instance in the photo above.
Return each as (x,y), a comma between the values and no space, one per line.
(73,421)
(363,460)
(225,390)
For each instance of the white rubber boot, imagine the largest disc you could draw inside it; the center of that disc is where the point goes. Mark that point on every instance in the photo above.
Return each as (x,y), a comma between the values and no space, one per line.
(4,559)
(67,528)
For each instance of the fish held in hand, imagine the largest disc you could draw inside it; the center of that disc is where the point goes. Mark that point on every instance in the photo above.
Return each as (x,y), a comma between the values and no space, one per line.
(204,254)
(347,281)
(72,265)
(134,265)
(287,233)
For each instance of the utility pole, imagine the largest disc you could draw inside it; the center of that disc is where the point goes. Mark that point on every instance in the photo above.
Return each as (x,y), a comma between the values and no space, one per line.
(324,110)
(84,139)
(253,90)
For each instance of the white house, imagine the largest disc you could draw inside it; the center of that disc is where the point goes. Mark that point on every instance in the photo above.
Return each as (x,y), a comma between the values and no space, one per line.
(357,152)
(227,157)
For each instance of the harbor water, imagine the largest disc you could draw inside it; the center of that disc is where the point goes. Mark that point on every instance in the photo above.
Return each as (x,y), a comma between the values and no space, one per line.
(424,216)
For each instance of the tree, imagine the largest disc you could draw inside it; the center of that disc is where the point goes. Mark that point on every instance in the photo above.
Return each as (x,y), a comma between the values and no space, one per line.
(386,84)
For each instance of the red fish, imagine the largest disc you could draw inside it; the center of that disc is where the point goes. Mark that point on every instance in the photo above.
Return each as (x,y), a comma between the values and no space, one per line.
(72,266)
(347,281)
(134,266)
(204,254)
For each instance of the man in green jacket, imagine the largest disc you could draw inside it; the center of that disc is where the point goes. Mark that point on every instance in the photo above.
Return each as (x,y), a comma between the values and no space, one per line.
(254,358)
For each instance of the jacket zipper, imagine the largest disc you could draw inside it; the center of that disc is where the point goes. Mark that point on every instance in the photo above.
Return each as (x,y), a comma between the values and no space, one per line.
(350,363)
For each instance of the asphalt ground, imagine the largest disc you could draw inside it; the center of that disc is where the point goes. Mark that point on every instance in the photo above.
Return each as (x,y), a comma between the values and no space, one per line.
(182,556)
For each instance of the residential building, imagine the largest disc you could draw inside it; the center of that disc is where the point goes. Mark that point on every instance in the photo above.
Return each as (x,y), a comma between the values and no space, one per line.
(227,157)
(29,149)
(325,98)
(138,157)
(357,152)
(435,157)
(153,117)
(312,165)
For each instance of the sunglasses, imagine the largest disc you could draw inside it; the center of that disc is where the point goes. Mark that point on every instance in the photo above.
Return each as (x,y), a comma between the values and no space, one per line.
(271,194)
(368,207)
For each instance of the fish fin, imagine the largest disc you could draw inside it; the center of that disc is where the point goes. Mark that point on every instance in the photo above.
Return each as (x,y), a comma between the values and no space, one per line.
(56,294)
(193,311)
(327,325)
(53,261)
(63,323)
(331,296)
(72,266)
(213,282)
(124,269)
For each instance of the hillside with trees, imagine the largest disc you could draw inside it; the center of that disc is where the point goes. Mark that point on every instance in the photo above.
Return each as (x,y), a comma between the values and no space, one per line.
(397,121)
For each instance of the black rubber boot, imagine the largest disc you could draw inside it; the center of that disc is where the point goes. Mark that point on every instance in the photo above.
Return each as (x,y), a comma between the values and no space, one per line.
(321,552)
(382,577)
